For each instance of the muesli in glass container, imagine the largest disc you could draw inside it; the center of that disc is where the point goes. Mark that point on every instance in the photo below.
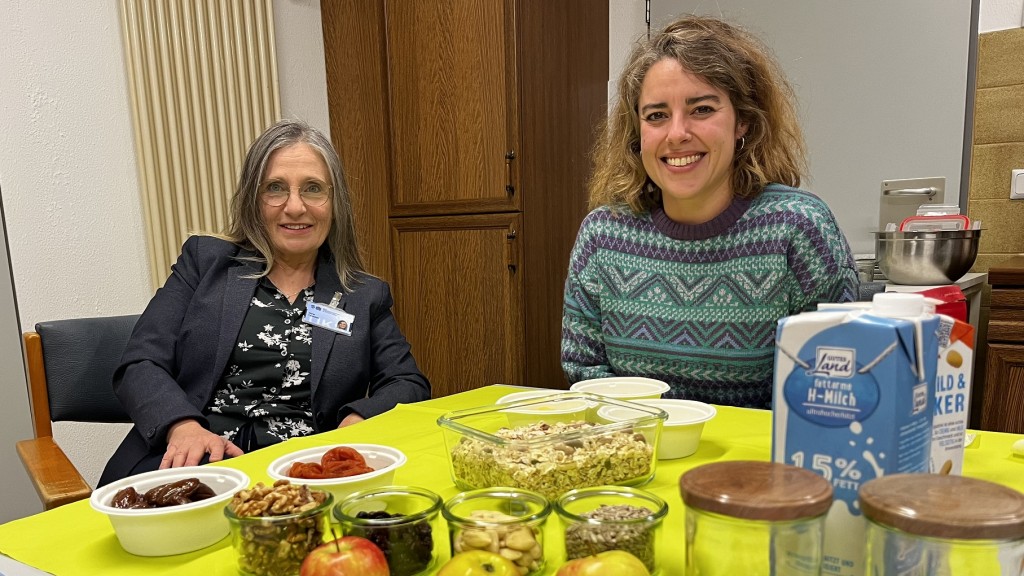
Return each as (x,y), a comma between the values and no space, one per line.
(552,457)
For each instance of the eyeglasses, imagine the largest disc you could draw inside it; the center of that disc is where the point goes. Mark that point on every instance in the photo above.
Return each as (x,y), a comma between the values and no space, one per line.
(312,194)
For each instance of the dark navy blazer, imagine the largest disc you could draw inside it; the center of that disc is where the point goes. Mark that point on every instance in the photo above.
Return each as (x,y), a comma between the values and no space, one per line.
(182,342)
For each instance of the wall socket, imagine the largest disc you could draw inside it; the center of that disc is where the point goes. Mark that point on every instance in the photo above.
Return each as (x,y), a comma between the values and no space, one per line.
(1017,185)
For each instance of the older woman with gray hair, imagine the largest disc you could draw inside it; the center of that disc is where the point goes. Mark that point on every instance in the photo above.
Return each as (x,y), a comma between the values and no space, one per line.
(268,331)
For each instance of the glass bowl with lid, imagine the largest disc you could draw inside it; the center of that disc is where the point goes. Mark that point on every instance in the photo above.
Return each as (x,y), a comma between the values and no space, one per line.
(552,458)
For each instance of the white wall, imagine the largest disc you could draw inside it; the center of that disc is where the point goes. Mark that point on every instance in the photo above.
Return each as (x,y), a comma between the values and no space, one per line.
(69,180)
(1000,15)
(70,183)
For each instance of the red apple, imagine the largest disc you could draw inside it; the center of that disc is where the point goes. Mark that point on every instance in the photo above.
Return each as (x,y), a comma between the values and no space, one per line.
(346,556)
(478,563)
(609,563)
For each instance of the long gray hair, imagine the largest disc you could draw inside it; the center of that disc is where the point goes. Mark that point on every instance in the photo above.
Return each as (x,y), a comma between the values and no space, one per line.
(246,227)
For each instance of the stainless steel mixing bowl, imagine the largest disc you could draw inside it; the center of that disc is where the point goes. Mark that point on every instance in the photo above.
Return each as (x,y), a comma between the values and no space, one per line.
(925,258)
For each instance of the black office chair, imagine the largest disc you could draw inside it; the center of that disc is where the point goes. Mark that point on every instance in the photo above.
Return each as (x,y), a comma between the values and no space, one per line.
(70,365)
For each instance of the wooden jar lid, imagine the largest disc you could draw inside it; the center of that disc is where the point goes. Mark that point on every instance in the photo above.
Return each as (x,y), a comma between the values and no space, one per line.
(756,490)
(939,506)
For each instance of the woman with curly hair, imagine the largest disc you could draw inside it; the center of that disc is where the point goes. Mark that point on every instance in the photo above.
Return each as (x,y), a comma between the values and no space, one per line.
(699,239)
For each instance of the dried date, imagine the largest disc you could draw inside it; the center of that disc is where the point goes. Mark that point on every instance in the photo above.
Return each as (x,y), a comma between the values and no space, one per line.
(171,494)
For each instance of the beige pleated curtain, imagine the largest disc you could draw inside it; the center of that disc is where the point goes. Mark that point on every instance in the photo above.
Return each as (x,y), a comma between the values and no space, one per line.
(203,81)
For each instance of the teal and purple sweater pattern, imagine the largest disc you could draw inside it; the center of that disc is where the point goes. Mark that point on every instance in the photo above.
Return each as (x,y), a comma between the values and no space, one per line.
(697,305)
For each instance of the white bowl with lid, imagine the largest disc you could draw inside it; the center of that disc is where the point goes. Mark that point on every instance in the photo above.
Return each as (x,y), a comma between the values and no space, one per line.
(528,407)
(623,387)
(681,432)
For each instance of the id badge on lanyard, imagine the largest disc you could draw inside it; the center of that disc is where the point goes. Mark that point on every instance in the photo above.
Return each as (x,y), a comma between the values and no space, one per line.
(329,316)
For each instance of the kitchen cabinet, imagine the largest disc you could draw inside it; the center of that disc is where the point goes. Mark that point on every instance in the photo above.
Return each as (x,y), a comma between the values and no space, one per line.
(465,128)
(1003,408)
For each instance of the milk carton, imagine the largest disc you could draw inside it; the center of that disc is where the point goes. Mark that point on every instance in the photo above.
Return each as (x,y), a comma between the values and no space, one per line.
(952,395)
(853,400)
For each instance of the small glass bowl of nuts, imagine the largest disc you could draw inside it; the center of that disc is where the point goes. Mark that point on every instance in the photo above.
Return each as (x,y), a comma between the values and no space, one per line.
(274,527)
(400,520)
(507,521)
(605,518)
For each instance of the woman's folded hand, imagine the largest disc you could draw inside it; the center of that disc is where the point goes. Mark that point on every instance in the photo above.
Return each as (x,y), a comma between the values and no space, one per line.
(188,442)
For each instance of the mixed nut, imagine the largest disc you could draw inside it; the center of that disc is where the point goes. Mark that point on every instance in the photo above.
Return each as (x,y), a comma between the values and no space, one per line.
(273,533)
(516,542)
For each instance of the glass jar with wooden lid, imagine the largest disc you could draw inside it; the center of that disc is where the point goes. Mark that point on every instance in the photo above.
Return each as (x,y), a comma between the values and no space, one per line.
(754,518)
(925,524)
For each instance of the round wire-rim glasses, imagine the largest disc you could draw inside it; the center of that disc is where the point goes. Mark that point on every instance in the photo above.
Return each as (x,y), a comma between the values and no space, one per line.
(313,194)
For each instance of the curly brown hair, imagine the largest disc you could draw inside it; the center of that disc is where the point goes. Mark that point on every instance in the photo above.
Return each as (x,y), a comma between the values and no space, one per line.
(733,61)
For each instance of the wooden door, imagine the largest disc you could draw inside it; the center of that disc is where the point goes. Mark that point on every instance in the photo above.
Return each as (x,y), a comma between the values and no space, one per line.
(458,294)
(451,73)
(1003,409)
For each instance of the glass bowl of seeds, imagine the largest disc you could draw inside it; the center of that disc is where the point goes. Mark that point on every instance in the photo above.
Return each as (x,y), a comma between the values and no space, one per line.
(603,518)
(400,520)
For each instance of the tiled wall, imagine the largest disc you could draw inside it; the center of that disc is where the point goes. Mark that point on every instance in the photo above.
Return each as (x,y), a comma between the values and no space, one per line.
(998,149)
(998,146)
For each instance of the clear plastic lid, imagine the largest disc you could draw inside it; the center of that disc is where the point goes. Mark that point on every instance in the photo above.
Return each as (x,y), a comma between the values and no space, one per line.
(898,305)
(937,209)
(935,223)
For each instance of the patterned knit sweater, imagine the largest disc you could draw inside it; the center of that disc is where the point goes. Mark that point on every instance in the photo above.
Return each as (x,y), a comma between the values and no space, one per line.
(697,305)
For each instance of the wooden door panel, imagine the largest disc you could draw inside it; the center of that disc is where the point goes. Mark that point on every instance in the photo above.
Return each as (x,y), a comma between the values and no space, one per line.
(1003,408)
(451,78)
(458,299)
(357,94)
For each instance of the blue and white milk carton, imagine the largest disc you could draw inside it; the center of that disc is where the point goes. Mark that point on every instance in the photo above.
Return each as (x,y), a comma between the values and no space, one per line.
(854,394)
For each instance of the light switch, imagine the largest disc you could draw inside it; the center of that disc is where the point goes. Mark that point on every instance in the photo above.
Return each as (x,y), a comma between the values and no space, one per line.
(1017,185)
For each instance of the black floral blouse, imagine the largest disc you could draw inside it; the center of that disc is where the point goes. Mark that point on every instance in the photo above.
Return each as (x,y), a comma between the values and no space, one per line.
(264,395)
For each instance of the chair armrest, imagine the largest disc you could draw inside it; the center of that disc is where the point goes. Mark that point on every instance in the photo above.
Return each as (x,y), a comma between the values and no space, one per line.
(54,476)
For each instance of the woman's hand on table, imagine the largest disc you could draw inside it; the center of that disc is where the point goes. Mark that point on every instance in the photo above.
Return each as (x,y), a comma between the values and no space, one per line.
(188,442)
(351,419)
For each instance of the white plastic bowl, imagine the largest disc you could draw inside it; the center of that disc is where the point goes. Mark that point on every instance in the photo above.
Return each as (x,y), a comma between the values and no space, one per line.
(550,412)
(172,529)
(623,387)
(384,460)
(681,432)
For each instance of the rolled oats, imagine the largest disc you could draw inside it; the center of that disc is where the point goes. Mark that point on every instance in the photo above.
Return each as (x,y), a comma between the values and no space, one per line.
(556,466)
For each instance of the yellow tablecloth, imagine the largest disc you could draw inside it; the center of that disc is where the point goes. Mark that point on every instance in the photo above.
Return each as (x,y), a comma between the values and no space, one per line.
(74,539)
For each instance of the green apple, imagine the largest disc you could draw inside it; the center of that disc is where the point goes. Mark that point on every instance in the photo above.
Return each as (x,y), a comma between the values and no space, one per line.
(478,563)
(609,563)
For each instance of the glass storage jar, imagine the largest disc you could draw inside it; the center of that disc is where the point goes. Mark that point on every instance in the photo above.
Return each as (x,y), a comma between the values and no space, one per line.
(276,545)
(400,520)
(754,518)
(509,521)
(606,518)
(925,524)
